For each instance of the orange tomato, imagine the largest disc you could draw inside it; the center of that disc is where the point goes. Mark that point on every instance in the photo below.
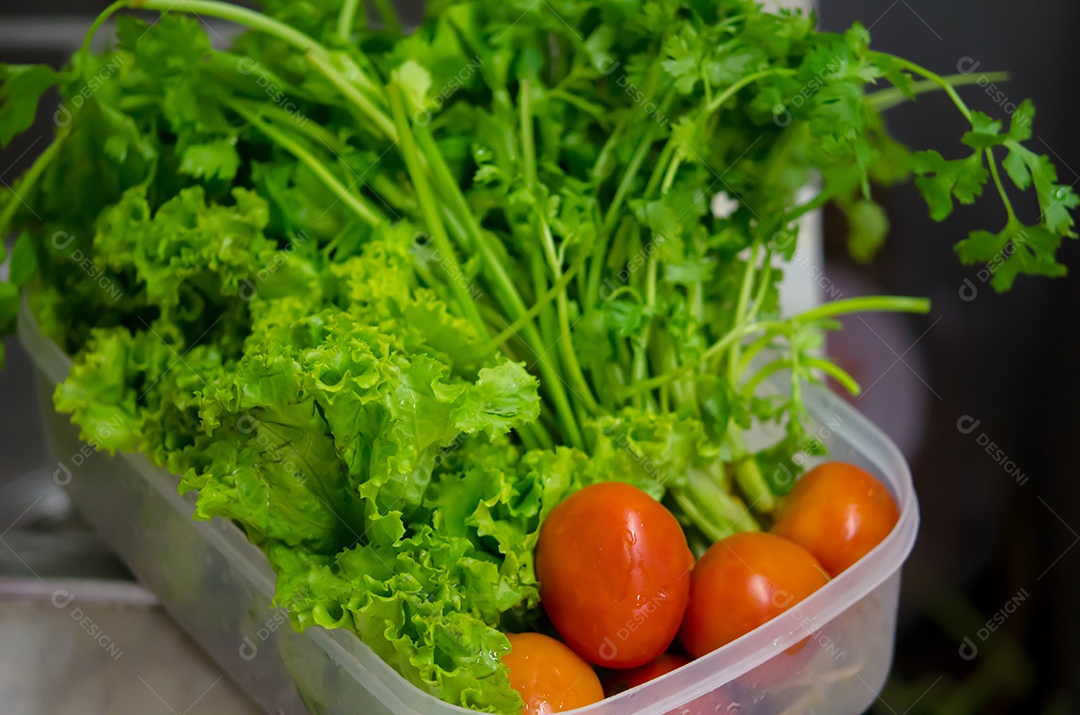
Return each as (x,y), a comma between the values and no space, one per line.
(614,572)
(838,512)
(550,677)
(742,582)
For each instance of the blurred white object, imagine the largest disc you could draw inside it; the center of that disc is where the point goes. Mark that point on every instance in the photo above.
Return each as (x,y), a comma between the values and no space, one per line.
(801,289)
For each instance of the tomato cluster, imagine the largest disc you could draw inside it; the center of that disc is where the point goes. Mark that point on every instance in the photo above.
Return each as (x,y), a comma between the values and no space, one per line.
(620,585)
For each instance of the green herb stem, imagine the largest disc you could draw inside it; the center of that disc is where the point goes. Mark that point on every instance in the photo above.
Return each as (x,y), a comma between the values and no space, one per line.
(347,19)
(932,77)
(950,90)
(27,182)
(389,16)
(317,54)
(741,306)
(527,317)
(322,62)
(712,508)
(713,350)
(1010,212)
(754,487)
(886,99)
(368,213)
(836,372)
(864,304)
(431,212)
(749,79)
(504,287)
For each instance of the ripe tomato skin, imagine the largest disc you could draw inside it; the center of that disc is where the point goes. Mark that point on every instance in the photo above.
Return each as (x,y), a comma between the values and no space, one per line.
(742,582)
(621,680)
(614,572)
(550,677)
(838,512)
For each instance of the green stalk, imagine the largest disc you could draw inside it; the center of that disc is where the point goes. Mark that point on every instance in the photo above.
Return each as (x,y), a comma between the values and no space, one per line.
(741,306)
(950,90)
(886,99)
(317,54)
(1012,220)
(567,352)
(640,370)
(632,169)
(365,211)
(347,19)
(747,80)
(753,350)
(528,437)
(662,163)
(864,304)
(593,110)
(672,170)
(430,210)
(541,303)
(540,286)
(26,183)
(764,281)
(712,508)
(596,268)
(367,108)
(655,73)
(764,374)
(591,297)
(528,142)
(713,350)
(504,288)
(503,285)
(836,372)
(576,377)
(839,186)
(389,16)
(754,487)
(895,304)
(555,384)
(221,10)
(313,130)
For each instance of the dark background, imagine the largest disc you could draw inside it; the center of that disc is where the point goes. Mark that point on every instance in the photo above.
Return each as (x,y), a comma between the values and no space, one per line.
(998,531)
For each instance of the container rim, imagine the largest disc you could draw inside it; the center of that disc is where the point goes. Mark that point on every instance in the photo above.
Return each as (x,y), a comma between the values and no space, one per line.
(670,691)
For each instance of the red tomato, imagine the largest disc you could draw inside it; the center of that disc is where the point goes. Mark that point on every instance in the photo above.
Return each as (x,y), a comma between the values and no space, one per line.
(742,582)
(837,512)
(550,677)
(621,680)
(614,572)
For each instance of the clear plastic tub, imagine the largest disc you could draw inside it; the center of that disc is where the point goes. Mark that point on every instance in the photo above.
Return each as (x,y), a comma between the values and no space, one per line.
(830,654)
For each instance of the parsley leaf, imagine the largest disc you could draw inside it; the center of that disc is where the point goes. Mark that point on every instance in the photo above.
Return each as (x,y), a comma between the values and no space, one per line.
(21,87)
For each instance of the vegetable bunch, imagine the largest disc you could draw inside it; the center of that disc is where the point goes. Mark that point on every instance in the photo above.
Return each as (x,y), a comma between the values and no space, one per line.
(385,300)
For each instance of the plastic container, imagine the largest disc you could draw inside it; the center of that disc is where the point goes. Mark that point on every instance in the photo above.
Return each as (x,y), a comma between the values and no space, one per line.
(829,654)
